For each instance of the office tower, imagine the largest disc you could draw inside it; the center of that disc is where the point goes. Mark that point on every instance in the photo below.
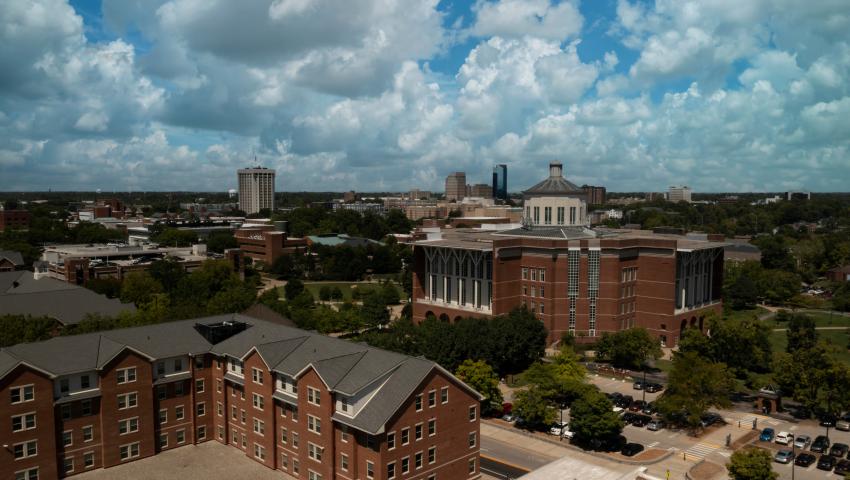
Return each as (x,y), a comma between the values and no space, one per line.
(679,194)
(456,186)
(500,181)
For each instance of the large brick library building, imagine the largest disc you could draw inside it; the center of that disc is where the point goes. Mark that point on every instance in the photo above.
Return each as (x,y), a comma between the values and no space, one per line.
(574,279)
(310,406)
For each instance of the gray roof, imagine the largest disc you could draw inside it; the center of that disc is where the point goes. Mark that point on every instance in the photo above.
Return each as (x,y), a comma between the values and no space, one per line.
(558,233)
(554,185)
(22,294)
(12,256)
(346,367)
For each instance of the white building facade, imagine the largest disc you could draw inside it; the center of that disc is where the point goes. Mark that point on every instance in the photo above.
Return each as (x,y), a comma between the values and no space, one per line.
(555,202)
(256,189)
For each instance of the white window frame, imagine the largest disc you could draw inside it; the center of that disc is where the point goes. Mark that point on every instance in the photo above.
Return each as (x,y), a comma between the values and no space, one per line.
(129,449)
(91,433)
(125,398)
(23,419)
(257,375)
(444,395)
(201,406)
(314,396)
(259,427)
(21,391)
(127,423)
(314,424)
(25,449)
(258,401)
(126,374)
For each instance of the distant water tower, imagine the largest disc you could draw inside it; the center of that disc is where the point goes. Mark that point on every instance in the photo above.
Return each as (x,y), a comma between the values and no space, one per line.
(231,193)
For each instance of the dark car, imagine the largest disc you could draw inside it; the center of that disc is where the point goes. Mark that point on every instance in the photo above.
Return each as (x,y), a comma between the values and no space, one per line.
(842,467)
(827,421)
(638,385)
(804,460)
(641,420)
(653,387)
(839,450)
(631,449)
(629,417)
(637,406)
(613,396)
(648,409)
(826,462)
(624,401)
(801,413)
(708,419)
(820,445)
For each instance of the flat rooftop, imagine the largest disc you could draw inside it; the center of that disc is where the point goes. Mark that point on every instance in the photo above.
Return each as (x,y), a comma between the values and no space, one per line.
(479,239)
(102,250)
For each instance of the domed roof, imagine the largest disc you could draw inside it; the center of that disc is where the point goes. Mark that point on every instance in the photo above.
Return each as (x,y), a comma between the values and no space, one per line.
(555,185)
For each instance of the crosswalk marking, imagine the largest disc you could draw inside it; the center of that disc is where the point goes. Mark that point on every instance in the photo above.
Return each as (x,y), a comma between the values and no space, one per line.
(701,450)
(652,444)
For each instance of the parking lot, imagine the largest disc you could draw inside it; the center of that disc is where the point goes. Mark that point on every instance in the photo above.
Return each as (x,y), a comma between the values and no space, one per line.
(206,461)
(711,444)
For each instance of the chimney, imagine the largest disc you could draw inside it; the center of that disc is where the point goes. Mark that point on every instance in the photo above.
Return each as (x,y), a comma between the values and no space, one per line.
(555,169)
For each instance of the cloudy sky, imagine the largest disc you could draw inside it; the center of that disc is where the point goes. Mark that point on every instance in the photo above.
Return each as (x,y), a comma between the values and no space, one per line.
(376,95)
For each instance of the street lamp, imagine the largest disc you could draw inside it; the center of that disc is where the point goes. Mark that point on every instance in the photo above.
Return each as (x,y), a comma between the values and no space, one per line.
(561,436)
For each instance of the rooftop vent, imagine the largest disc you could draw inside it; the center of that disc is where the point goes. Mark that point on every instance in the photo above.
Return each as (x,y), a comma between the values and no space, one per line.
(221,331)
(556,169)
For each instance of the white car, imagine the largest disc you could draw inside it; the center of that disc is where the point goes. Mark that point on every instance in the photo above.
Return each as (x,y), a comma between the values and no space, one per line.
(557,428)
(784,438)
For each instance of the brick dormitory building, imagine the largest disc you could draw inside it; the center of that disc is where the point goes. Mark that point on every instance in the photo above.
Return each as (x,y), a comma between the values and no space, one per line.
(311,406)
(574,279)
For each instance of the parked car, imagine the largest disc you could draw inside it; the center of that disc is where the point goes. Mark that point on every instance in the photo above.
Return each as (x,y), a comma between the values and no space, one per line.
(624,401)
(649,408)
(827,420)
(767,435)
(710,418)
(655,425)
(804,459)
(641,420)
(843,423)
(557,428)
(629,417)
(802,441)
(509,417)
(820,445)
(839,450)
(842,468)
(826,462)
(637,406)
(801,413)
(653,387)
(638,385)
(631,449)
(783,456)
(784,438)
(507,408)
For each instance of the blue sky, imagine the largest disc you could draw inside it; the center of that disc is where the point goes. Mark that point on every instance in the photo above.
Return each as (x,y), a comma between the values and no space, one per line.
(391,95)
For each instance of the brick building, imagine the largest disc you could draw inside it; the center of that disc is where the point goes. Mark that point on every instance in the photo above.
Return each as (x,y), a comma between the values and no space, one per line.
(264,243)
(574,279)
(14,219)
(311,406)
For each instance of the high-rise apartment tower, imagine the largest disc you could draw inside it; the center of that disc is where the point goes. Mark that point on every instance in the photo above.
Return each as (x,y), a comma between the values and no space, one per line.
(256,189)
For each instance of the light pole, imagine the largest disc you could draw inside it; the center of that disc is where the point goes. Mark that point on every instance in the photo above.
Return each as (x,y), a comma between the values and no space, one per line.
(793,456)
(561,436)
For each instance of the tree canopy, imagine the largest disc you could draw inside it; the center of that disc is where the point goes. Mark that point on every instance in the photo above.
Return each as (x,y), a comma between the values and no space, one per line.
(751,464)
(629,348)
(695,384)
(480,376)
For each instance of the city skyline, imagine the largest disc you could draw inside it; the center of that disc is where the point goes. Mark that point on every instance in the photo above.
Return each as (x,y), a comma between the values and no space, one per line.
(632,95)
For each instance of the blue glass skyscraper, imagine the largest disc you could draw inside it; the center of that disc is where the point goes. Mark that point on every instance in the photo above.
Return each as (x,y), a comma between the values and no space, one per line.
(500,182)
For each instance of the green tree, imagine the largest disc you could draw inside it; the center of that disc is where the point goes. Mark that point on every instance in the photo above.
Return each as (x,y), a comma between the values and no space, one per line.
(234,298)
(744,293)
(168,273)
(111,287)
(533,407)
(628,348)
(293,288)
(751,464)
(16,329)
(801,333)
(336,293)
(173,237)
(741,343)
(594,421)
(374,311)
(138,288)
(389,293)
(220,241)
(325,293)
(481,377)
(520,339)
(694,385)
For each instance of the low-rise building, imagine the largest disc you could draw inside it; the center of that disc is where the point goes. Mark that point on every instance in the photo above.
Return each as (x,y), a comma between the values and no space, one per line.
(265,243)
(10,261)
(311,406)
(14,219)
(839,274)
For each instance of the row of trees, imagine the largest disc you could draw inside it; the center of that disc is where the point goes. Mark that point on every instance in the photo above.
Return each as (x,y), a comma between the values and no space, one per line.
(317,221)
(509,343)
(343,263)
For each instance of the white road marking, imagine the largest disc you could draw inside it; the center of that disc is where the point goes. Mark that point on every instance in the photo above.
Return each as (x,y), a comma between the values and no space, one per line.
(652,444)
(701,450)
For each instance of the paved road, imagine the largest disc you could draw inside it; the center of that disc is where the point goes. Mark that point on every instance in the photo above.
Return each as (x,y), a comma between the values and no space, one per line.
(500,470)
(512,454)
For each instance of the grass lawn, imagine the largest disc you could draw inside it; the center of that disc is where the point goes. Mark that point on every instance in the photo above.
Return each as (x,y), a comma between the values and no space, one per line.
(821,319)
(746,313)
(313,288)
(837,338)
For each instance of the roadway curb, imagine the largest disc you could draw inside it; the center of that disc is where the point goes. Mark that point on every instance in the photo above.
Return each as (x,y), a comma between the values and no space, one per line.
(570,446)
